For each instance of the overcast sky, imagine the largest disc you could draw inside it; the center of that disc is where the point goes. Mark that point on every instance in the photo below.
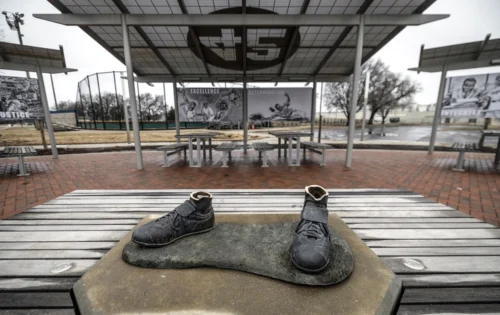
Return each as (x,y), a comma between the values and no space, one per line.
(469,21)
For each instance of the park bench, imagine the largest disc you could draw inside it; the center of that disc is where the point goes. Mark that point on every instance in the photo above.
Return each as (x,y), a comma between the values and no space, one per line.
(262,148)
(20,152)
(226,149)
(315,147)
(461,148)
(176,147)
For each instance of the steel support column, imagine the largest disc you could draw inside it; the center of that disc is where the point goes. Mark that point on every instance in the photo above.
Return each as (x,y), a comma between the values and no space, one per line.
(131,93)
(176,108)
(437,113)
(355,89)
(365,104)
(46,112)
(245,116)
(165,104)
(125,108)
(53,89)
(313,109)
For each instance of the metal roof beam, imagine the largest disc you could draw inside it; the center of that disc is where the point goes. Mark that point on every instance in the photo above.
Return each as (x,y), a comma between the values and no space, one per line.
(239,20)
(456,66)
(303,10)
(257,78)
(32,68)
(196,40)
(145,37)
(342,37)
(483,44)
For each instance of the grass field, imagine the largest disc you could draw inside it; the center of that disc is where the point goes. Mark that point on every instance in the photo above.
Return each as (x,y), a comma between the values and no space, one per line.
(28,135)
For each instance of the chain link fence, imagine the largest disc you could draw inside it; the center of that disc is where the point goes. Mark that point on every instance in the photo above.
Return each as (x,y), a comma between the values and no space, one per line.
(102,99)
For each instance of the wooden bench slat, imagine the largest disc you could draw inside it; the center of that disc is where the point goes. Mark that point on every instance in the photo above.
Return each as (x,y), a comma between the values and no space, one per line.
(450,295)
(51,254)
(60,236)
(44,267)
(315,144)
(173,146)
(35,299)
(446,264)
(262,146)
(226,146)
(46,311)
(449,309)
(37,284)
(437,251)
(58,245)
(401,234)
(434,243)
(4,228)
(451,280)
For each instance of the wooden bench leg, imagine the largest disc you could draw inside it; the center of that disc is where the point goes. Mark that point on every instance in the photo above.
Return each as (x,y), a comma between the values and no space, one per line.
(210,148)
(460,162)
(497,154)
(304,148)
(224,158)
(198,152)
(185,155)
(22,167)
(264,159)
(297,153)
(230,156)
(204,150)
(190,145)
(279,148)
(165,158)
(481,142)
(323,158)
(286,148)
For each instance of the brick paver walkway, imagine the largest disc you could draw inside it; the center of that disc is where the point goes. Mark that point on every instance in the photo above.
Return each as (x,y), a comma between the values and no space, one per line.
(475,191)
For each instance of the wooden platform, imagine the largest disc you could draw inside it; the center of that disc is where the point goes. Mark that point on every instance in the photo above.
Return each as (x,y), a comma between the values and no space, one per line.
(448,261)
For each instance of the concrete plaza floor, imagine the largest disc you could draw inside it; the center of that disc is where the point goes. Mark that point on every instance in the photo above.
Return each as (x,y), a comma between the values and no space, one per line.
(475,191)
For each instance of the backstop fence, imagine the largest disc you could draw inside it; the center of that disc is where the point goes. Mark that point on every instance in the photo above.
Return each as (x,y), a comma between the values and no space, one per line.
(101,101)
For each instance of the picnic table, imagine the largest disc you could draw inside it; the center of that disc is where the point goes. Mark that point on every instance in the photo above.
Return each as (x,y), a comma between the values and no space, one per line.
(491,133)
(289,136)
(20,153)
(200,137)
(448,261)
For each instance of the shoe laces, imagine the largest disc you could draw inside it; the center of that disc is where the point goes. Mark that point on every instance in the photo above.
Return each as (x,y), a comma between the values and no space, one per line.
(312,229)
(170,219)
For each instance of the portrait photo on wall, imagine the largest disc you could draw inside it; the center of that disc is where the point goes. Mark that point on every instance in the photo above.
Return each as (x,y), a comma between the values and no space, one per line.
(210,105)
(19,99)
(473,96)
(274,104)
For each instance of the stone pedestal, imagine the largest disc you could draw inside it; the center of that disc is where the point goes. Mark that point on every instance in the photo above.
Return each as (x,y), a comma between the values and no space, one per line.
(114,287)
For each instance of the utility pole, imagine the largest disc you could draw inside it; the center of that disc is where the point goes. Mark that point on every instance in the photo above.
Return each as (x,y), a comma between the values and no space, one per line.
(15,20)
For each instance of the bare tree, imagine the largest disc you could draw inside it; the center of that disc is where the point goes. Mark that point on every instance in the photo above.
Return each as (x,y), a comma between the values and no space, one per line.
(387,90)
(151,107)
(337,95)
(392,91)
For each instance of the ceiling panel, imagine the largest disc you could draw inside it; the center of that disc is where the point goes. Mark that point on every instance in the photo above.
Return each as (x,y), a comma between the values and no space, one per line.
(264,45)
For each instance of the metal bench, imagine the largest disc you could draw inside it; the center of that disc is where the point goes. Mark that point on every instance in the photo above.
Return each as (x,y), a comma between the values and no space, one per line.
(315,147)
(171,147)
(263,147)
(226,148)
(461,148)
(20,152)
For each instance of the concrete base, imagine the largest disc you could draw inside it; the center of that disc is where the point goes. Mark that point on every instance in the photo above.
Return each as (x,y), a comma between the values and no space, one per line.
(114,287)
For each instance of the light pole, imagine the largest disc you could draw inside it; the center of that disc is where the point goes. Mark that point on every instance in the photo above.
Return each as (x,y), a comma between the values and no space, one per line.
(15,20)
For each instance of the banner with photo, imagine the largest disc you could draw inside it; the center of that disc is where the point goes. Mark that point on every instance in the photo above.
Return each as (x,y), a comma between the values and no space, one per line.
(275,104)
(210,105)
(19,99)
(472,96)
